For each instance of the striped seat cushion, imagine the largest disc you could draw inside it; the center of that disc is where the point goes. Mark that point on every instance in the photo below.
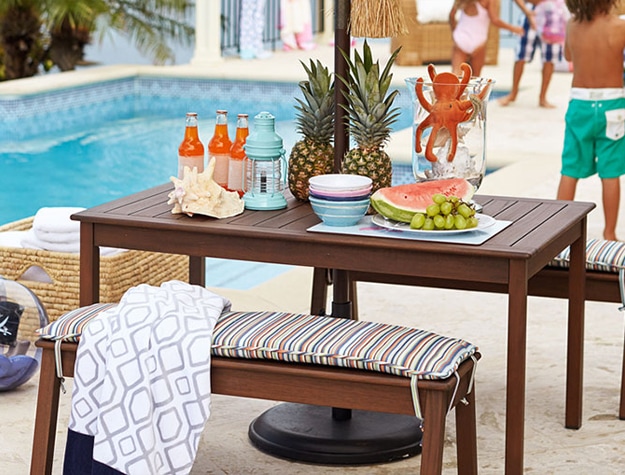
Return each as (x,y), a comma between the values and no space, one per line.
(69,326)
(601,255)
(301,338)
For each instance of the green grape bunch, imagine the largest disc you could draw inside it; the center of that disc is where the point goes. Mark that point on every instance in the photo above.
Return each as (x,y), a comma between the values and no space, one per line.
(444,214)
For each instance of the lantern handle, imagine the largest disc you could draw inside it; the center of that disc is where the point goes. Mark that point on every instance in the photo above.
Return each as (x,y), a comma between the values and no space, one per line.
(283,166)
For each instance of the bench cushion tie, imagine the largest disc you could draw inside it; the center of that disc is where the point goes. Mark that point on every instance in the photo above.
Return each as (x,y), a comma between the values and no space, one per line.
(69,327)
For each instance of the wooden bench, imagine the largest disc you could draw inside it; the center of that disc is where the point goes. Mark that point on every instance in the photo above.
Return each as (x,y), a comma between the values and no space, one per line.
(306,384)
(551,281)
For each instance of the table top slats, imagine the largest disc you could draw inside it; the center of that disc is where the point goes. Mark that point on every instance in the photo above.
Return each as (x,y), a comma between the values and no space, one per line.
(537,224)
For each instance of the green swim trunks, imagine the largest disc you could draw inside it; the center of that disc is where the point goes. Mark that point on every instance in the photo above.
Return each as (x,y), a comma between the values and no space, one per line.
(594,138)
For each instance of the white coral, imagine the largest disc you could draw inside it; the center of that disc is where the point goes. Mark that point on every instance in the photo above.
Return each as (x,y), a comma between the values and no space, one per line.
(199,193)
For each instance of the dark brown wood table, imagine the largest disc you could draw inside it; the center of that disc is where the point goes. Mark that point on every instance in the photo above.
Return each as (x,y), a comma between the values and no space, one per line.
(505,263)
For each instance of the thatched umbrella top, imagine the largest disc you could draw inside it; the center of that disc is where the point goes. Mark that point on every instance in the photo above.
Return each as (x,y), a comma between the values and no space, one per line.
(377,19)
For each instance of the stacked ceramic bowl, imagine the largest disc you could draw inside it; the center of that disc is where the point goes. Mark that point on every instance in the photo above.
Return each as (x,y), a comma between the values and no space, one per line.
(340,200)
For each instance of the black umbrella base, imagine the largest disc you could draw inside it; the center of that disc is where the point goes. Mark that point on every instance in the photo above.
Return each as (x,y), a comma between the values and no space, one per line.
(311,434)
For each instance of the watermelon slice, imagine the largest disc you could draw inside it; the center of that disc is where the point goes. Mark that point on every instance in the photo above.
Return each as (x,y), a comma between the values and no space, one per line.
(403,201)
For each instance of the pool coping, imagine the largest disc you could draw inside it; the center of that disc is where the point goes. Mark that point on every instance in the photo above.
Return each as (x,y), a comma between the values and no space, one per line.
(93,74)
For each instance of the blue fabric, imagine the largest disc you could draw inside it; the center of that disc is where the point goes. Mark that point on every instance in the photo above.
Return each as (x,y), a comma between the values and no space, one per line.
(79,457)
(16,370)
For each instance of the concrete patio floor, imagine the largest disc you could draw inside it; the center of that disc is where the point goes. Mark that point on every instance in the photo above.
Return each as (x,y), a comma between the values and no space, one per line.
(526,142)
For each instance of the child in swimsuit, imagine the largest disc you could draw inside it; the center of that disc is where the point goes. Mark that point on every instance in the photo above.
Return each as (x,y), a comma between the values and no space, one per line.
(594,137)
(528,44)
(470,31)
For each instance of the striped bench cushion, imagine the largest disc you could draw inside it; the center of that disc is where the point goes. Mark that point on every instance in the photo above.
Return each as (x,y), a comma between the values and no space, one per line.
(69,326)
(601,255)
(321,340)
(302,338)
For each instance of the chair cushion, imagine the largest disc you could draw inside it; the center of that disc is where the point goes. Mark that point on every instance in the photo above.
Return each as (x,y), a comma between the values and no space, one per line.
(69,326)
(601,255)
(302,338)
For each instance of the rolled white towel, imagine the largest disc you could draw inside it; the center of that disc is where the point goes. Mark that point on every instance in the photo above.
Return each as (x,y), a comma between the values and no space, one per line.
(56,220)
(11,238)
(31,241)
(110,251)
(52,237)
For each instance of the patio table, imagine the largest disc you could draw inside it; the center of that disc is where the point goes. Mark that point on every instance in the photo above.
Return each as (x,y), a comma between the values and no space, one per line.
(505,263)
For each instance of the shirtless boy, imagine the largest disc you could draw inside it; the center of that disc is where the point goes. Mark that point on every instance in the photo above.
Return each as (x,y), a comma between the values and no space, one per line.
(594,140)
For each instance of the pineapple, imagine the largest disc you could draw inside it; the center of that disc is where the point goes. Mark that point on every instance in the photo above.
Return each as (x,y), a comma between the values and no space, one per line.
(369,117)
(314,154)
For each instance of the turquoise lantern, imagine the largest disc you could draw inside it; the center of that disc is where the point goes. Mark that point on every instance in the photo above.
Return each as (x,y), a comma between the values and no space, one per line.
(265,166)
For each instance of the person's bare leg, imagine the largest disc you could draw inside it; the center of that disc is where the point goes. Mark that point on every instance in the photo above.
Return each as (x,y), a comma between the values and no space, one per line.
(517,72)
(457,58)
(566,189)
(548,68)
(611,197)
(478,58)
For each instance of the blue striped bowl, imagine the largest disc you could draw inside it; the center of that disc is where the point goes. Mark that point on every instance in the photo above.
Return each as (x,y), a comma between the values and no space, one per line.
(339,213)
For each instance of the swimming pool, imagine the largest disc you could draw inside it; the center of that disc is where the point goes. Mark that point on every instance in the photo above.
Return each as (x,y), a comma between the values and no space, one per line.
(87,145)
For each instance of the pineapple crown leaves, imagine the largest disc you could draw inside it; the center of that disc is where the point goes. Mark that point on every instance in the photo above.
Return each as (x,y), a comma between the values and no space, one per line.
(315,118)
(368,106)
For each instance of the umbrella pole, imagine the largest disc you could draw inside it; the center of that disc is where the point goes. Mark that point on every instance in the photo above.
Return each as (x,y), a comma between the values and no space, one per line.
(341,43)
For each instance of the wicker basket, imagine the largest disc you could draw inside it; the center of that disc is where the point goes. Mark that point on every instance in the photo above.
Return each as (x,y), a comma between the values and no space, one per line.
(431,42)
(117,273)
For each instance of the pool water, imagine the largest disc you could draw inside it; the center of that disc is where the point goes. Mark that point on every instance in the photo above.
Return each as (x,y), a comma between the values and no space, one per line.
(88,145)
(90,167)
(109,142)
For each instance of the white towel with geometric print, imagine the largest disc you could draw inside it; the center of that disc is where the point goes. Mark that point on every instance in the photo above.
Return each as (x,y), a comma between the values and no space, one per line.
(142,378)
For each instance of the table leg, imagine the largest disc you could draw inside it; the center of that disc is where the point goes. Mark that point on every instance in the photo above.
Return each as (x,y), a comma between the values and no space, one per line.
(197,270)
(319,294)
(575,343)
(517,339)
(89,266)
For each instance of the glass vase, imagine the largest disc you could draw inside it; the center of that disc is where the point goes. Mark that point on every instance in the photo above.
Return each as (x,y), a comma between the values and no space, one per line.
(469,158)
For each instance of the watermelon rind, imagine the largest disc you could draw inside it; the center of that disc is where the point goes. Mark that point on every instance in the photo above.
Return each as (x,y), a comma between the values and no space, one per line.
(402,202)
(389,211)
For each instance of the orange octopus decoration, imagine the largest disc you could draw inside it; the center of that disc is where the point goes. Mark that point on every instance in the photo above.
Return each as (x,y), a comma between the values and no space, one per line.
(447,110)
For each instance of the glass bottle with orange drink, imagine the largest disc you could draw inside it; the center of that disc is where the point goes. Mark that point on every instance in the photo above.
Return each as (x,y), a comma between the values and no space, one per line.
(191,150)
(219,147)
(237,156)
